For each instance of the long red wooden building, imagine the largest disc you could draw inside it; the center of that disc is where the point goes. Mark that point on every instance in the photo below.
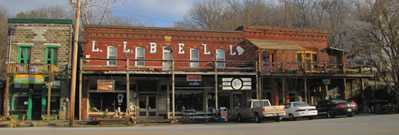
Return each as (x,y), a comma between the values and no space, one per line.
(163,72)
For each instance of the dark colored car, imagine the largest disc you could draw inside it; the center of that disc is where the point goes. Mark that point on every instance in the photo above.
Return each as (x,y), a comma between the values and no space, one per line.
(336,107)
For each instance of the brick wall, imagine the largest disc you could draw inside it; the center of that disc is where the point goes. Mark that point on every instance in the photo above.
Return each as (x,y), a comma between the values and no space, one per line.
(105,36)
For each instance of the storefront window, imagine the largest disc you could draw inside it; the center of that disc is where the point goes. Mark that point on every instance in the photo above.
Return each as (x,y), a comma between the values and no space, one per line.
(140,56)
(112,56)
(220,58)
(194,58)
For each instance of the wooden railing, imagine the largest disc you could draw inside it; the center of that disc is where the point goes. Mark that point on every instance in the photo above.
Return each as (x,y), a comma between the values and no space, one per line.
(15,68)
(315,68)
(166,65)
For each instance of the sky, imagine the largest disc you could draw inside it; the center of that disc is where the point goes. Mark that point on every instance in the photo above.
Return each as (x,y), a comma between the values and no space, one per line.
(162,13)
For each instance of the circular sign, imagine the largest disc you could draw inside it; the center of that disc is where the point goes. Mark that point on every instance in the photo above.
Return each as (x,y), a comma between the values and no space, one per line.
(236,84)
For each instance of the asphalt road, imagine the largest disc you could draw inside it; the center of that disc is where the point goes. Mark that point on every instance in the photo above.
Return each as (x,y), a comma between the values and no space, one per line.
(358,125)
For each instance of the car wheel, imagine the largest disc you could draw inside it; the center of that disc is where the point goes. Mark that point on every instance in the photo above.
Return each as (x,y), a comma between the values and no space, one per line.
(329,115)
(310,118)
(291,117)
(278,118)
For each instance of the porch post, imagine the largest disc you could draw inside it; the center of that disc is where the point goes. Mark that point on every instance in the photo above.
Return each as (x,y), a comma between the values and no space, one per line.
(127,90)
(363,95)
(305,84)
(6,111)
(283,88)
(80,89)
(173,92)
(216,90)
(49,85)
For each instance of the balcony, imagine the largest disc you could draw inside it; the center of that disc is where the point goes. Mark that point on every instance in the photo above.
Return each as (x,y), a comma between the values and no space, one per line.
(136,65)
(14,68)
(315,68)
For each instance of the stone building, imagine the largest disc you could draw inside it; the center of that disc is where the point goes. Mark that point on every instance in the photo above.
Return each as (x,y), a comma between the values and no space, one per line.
(38,65)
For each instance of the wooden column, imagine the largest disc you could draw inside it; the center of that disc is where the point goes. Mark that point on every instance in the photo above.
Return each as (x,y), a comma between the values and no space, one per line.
(283,93)
(351,89)
(168,100)
(80,89)
(127,90)
(49,86)
(305,89)
(205,100)
(216,90)
(6,100)
(362,88)
(258,75)
(173,92)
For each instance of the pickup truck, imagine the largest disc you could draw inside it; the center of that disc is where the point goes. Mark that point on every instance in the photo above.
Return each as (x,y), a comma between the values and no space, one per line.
(258,110)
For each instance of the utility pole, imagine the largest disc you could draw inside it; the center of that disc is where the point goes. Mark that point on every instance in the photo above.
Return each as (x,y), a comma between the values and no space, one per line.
(74,64)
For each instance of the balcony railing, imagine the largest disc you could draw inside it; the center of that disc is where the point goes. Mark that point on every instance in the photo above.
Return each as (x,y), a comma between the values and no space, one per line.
(315,68)
(32,68)
(92,64)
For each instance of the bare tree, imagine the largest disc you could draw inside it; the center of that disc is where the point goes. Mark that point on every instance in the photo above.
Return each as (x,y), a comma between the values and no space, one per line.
(55,12)
(3,42)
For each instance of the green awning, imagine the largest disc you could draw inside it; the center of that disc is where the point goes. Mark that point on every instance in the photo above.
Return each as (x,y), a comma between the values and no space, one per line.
(274,44)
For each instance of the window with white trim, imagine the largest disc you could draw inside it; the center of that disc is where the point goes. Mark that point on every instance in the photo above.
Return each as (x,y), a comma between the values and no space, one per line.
(220,58)
(140,56)
(194,58)
(112,56)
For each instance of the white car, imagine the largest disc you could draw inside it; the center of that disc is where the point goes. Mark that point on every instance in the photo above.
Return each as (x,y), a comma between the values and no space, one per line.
(300,109)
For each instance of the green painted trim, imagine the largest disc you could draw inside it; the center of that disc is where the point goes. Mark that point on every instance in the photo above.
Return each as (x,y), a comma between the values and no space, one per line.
(46,55)
(19,55)
(53,46)
(39,21)
(30,107)
(24,45)
(12,103)
(53,52)
(44,103)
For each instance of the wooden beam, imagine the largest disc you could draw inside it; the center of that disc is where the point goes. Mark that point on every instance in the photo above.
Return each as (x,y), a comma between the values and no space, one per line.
(216,90)
(283,88)
(305,84)
(6,109)
(127,89)
(173,93)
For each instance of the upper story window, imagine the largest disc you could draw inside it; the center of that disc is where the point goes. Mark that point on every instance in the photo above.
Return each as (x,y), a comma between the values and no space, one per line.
(220,58)
(24,54)
(194,58)
(51,55)
(140,56)
(112,56)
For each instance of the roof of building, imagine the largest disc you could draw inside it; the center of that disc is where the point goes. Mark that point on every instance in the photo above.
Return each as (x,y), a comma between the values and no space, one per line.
(158,28)
(39,21)
(274,44)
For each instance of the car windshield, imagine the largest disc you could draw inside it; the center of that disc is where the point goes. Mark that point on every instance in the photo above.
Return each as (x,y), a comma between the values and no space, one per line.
(300,104)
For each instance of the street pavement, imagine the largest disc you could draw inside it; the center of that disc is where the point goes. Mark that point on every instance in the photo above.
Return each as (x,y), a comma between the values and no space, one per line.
(358,125)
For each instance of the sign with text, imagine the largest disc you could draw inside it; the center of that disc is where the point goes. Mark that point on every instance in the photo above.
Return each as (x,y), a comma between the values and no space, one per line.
(236,83)
(105,85)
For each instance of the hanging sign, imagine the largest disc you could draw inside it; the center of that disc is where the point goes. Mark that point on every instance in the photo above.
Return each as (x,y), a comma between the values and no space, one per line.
(236,83)
(29,79)
(105,85)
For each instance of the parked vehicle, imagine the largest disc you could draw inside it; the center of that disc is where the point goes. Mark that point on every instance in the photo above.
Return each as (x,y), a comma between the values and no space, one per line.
(332,108)
(258,110)
(300,109)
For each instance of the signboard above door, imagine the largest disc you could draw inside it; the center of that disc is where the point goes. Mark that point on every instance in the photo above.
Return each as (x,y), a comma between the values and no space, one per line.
(236,83)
